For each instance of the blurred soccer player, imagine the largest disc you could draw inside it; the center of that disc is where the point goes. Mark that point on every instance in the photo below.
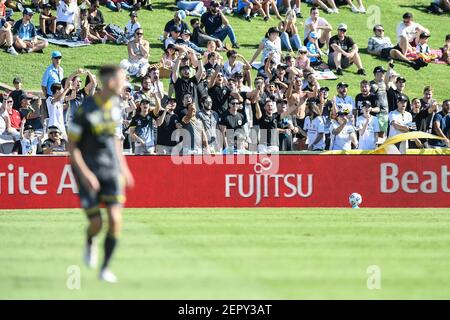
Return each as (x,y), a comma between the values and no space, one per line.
(99,166)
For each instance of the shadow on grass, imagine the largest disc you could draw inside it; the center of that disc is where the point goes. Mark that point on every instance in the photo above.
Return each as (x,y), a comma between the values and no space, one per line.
(419,7)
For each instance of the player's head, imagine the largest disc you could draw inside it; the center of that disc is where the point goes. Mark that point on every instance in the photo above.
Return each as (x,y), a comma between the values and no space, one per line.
(112,78)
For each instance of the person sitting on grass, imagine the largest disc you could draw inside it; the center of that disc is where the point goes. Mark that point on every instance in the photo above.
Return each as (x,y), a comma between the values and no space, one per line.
(200,38)
(314,52)
(117,5)
(169,56)
(6,37)
(132,25)
(446,50)
(344,52)
(97,23)
(65,18)
(25,39)
(85,34)
(47,21)
(381,46)
(247,7)
(138,55)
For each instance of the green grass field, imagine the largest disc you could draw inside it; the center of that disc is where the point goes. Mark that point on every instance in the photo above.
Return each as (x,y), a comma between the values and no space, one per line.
(233,254)
(388,12)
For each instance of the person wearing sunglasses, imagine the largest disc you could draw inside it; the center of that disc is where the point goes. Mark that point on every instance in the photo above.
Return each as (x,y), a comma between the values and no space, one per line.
(55,144)
(381,46)
(11,118)
(344,52)
(138,54)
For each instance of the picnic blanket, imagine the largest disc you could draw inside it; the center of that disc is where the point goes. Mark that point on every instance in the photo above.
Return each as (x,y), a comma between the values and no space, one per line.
(434,57)
(65,43)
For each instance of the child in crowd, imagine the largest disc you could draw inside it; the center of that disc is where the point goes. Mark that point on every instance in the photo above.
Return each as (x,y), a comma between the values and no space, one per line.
(86,34)
(211,47)
(132,25)
(302,62)
(422,46)
(314,52)
(446,50)
(47,21)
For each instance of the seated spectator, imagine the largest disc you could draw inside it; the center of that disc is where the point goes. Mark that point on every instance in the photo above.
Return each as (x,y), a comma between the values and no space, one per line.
(191,7)
(211,47)
(408,33)
(175,34)
(320,26)
(169,56)
(343,134)
(285,5)
(200,38)
(314,51)
(270,45)
(25,34)
(368,128)
(55,144)
(444,5)
(217,25)
(118,5)
(138,4)
(132,25)
(330,6)
(85,29)
(65,18)
(29,143)
(446,50)
(167,123)
(138,55)
(213,61)
(355,9)
(177,21)
(400,121)
(185,40)
(344,52)
(97,23)
(441,126)
(247,7)
(290,39)
(6,37)
(422,46)
(47,21)
(381,46)
(302,62)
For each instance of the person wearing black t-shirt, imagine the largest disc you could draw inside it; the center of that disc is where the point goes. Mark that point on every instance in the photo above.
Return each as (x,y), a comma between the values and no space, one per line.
(268,125)
(167,123)
(361,98)
(232,126)
(393,94)
(17,93)
(344,52)
(182,80)
(175,22)
(220,93)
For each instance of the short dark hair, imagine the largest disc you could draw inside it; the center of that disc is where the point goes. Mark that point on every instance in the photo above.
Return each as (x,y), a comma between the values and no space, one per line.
(231,52)
(314,8)
(55,87)
(447,37)
(108,71)
(194,21)
(364,82)
(408,15)
(146,77)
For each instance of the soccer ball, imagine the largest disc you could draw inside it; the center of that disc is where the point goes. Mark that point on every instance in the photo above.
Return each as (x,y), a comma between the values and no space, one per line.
(355,200)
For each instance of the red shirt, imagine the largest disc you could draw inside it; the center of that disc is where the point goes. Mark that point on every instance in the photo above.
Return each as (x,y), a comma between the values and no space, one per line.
(2,10)
(14,116)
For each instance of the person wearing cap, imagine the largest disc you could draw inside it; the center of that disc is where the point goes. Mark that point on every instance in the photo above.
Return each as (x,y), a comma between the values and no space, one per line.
(55,144)
(342,101)
(217,25)
(290,40)
(210,120)
(170,55)
(394,93)
(344,52)
(379,87)
(6,37)
(25,36)
(314,51)
(381,46)
(132,25)
(343,133)
(270,45)
(400,121)
(65,18)
(47,21)
(320,26)
(368,127)
(167,123)
(185,40)
(408,33)
(53,74)
(29,143)
(422,46)
(365,97)
(191,7)
(138,55)
(302,61)
(175,22)
(175,34)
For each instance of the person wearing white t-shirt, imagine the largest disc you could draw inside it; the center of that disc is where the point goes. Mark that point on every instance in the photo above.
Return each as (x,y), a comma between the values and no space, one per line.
(318,25)
(400,121)
(343,133)
(65,17)
(408,33)
(368,128)
(132,25)
(316,129)
(55,104)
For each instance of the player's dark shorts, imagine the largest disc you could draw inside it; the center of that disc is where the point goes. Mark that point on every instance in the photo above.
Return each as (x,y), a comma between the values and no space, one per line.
(386,53)
(111,192)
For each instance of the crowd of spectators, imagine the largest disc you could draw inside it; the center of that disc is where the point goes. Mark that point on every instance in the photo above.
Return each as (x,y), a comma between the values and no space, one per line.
(212,104)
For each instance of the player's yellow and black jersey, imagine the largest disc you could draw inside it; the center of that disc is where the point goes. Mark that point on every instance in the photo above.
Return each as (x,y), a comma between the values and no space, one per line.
(93,128)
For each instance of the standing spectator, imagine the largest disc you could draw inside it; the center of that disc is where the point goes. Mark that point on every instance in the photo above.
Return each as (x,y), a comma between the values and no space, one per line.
(167,123)
(365,97)
(25,34)
(177,21)
(55,144)
(47,21)
(440,126)
(381,46)
(143,127)
(76,96)
(30,109)
(217,25)
(132,25)
(429,107)
(286,126)
(368,128)
(343,102)
(53,74)
(320,26)
(394,93)
(379,88)
(343,134)
(138,55)
(17,92)
(196,141)
(65,18)
(408,33)
(400,122)
(344,52)
(6,37)
(210,120)
(270,46)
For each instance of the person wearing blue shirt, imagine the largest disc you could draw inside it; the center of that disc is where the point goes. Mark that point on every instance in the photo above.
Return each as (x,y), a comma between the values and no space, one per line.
(314,52)
(53,74)
(441,126)
(25,34)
